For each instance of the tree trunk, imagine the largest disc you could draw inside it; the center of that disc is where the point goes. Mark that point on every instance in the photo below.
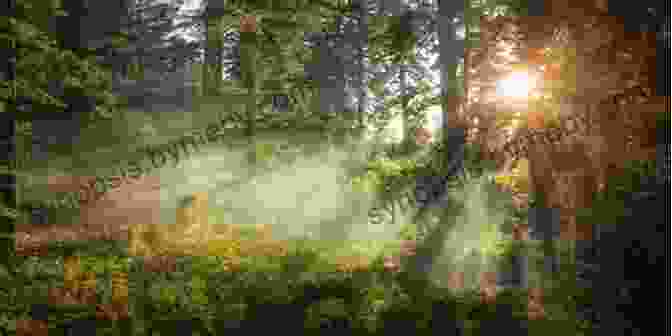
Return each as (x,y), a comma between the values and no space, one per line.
(363,42)
(450,51)
(9,193)
(212,67)
(248,64)
(324,72)
(403,88)
(339,89)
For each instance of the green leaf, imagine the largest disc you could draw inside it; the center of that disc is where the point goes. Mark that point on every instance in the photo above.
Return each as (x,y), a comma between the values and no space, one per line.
(4,273)
(197,282)
(8,212)
(168,292)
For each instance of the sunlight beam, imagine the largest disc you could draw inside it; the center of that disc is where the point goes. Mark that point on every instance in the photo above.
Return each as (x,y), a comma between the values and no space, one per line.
(516,85)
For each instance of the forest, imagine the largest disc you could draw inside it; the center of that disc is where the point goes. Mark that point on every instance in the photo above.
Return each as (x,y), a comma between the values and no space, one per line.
(334,167)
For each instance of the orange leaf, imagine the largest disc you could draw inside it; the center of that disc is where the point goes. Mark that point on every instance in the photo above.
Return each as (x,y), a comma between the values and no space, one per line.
(535,56)
(535,120)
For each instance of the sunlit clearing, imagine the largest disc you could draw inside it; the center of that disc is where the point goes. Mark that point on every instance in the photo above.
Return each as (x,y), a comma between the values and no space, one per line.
(516,85)
(302,198)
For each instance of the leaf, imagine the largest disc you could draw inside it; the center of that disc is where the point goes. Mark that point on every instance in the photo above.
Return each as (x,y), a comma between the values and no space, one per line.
(4,273)
(197,283)
(8,212)
(169,293)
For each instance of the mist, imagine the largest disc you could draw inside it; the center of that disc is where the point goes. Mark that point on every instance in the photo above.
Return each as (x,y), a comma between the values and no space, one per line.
(303,196)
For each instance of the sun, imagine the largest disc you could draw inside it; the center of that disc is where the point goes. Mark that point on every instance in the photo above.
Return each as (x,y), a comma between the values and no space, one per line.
(516,85)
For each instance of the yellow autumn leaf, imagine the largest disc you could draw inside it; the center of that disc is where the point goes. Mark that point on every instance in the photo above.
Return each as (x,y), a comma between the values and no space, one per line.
(519,67)
(71,268)
(503,179)
(88,280)
(223,247)
(523,167)
(119,287)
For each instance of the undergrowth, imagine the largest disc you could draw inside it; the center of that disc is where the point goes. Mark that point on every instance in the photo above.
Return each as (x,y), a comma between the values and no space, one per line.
(243,286)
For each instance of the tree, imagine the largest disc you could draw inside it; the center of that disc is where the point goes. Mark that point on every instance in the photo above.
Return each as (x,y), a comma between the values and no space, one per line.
(150,40)
(451,51)
(43,61)
(49,76)
(332,58)
(7,138)
(150,54)
(362,41)
(214,31)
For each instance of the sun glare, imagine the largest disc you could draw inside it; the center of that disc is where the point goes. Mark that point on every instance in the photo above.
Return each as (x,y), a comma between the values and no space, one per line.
(516,85)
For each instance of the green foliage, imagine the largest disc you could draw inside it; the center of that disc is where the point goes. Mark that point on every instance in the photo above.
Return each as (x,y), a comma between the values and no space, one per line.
(325,310)
(370,300)
(514,7)
(409,232)
(392,171)
(610,206)
(276,50)
(415,110)
(40,59)
(395,43)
